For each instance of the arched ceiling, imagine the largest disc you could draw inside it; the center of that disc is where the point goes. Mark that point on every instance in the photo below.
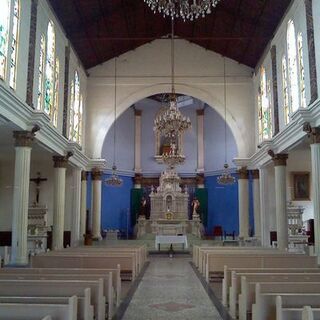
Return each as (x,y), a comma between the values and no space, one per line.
(103,29)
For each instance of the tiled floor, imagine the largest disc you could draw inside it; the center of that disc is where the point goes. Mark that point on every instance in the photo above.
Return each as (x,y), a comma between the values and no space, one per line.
(170,289)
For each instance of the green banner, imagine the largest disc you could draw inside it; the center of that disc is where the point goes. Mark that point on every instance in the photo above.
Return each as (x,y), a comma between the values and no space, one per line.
(202,195)
(136,195)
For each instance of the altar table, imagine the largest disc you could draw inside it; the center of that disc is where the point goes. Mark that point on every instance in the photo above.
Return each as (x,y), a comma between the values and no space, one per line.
(171,240)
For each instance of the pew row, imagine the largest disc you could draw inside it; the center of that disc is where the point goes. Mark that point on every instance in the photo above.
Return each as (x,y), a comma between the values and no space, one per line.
(58,288)
(22,311)
(293,294)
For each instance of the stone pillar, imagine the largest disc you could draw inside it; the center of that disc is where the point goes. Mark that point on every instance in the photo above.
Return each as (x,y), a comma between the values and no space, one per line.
(59,191)
(264,229)
(19,250)
(137,140)
(96,203)
(76,206)
(243,191)
(256,204)
(200,135)
(275,89)
(32,51)
(83,207)
(314,134)
(280,162)
(312,52)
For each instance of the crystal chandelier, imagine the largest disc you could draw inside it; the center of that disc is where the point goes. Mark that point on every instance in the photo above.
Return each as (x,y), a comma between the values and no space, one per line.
(225,178)
(114,180)
(172,158)
(185,9)
(171,122)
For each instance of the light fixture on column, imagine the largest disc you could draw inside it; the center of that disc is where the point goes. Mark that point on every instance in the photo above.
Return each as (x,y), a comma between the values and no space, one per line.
(225,178)
(185,9)
(114,180)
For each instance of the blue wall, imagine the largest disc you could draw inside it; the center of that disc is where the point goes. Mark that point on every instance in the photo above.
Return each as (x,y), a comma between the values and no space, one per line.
(223,208)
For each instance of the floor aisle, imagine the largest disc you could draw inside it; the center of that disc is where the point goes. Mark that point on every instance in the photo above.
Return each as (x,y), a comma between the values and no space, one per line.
(170,290)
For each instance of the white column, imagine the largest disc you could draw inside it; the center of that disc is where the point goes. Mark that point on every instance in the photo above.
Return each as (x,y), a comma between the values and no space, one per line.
(265,234)
(200,134)
(96,203)
(243,191)
(256,204)
(315,178)
(76,206)
(83,208)
(280,161)
(137,141)
(19,250)
(60,166)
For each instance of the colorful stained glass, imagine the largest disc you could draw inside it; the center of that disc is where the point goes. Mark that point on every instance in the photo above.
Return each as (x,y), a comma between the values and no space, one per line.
(41,71)
(4,35)
(292,66)
(54,115)
(301,73)
(14,43)
(285,91)
(50,71)
(264,105)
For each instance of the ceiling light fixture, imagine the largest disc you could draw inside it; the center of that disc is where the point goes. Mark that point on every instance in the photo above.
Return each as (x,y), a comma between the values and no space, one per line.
(185,9)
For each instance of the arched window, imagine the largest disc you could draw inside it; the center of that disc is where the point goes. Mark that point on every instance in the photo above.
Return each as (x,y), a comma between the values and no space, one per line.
(41,71)
(4,36)
(292,66)
(14,43)
(301,72)
(56,94)
(265,118)
(285,92)
(76,110)
(50,71)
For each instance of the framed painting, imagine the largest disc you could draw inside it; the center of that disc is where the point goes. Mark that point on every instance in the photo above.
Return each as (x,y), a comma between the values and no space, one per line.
(301,185)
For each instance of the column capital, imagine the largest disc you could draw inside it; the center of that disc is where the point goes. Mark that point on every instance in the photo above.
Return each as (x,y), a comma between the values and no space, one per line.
(137,112)
(23,138)
(137,179)
(60,162)
(200,112)
(255,174)
(96,174)
(243,173)
(279,159)
(200,179)
(84,175)
(313,133)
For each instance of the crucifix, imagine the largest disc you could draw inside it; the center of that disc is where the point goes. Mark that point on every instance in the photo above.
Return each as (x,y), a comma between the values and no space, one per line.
(38,181)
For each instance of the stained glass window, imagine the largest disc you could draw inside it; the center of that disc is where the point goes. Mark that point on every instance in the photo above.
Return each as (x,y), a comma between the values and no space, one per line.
(54,114)
(41,71)
(4,35)
(14,43)
(50,71)
(76,110)
(285,92)
(264,105)
(292,66)
(301,73)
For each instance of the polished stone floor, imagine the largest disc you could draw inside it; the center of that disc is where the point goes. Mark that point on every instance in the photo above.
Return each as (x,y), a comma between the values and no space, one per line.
(170,289)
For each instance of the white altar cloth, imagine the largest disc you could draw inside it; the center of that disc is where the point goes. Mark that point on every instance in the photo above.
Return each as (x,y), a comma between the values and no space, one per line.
(171,240)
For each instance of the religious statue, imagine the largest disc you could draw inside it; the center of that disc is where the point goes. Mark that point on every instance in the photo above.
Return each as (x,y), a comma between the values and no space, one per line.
(143,207)
(37,182)
(195,204)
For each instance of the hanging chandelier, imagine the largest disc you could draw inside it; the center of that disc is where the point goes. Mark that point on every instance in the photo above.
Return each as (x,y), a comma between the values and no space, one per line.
(172,158)
(185,9)
(225,178)
(171,122)
(114,180)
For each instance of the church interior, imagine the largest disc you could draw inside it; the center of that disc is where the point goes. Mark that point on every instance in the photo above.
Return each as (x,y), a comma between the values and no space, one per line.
(159,159)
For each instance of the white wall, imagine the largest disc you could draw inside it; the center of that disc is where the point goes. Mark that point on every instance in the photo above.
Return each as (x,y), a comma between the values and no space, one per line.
(146,71)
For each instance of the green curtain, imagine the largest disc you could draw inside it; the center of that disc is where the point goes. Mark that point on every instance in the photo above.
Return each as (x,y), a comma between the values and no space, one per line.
(136,195)
(202,196)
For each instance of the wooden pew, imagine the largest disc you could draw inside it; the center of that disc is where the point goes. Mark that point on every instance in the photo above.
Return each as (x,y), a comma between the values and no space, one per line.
(116,280)
(248,281)
(217,261)
(126,261)
(21,311)
(57,288)
(264,307)
(226,281)
(108,291)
